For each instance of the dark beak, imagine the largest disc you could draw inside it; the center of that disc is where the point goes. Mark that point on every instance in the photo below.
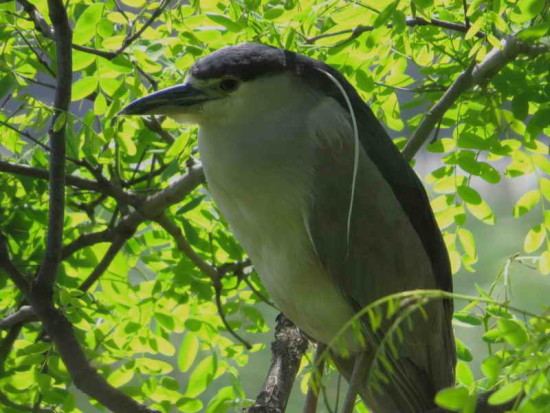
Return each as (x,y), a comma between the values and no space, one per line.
(167,100)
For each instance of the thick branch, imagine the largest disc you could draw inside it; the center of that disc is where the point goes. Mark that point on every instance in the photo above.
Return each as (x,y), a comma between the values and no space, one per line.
(494,61)
(85,377)
(411,22)
(287,351)
(63,38)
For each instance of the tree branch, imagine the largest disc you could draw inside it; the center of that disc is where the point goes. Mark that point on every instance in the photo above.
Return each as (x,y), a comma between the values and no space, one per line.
(71,180)
(7,265)
(204,266)
(287,351)
(42,26)
(494,61)
(410,21)
(63,37)
(114,248)
(23,315)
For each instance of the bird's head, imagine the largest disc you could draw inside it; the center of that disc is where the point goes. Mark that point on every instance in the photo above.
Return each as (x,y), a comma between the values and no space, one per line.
(239,83)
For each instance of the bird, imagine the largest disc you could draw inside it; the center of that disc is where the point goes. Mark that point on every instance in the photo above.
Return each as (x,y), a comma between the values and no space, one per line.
(328,210)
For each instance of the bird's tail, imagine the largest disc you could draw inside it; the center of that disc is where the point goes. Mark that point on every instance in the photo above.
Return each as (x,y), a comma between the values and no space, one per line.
(406,378)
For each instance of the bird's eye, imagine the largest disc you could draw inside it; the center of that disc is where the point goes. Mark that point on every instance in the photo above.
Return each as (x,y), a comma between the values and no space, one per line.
(229,84)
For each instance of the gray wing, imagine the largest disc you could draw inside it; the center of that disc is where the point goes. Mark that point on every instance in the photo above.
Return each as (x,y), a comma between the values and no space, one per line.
(393,244)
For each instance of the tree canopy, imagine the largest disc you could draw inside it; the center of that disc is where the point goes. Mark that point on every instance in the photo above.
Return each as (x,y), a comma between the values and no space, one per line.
(119,277)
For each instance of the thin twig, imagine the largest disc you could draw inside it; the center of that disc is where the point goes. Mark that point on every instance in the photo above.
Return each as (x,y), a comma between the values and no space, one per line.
(71,180)
(466,19)
(357,377)
(204,266)
(493,62)
(312,396)
(7,265)
(42,26)
(107,259)
(410,21)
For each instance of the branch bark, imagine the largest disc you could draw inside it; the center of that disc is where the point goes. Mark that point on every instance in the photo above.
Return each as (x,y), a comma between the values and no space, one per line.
(23,315)
(495,60)
(287,351)
(63,38)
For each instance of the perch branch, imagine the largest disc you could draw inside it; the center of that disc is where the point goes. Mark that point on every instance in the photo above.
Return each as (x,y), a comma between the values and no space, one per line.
(287,351)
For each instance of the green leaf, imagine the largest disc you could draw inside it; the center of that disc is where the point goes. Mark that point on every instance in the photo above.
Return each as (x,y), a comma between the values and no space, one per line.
(491,367)
(120,377)
(474,28)
(526,203)
(177,147)
(544,262)
(534,32)
(189,405)
(188,351)
(520,106)
(544,184)
(224,21)
(35,348)
(530,8)
(364,80)
(452,398)
(386,14)
(462,351)
(201,377)
(506,393)
(85,27)
(534,238)
(273,13)
(489,174)
(467,241)
(6,84)
(474,6)
(100,104)
(464,374)
(84,87)
(466,318)
(165,320)
(468,195)
(422,4)
(60,122)
(512,331)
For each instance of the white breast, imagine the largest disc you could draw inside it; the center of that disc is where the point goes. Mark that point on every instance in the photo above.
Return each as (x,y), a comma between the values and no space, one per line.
(257,178)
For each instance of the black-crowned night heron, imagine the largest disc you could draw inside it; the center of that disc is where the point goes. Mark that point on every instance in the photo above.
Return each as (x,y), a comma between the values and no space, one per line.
(328,210)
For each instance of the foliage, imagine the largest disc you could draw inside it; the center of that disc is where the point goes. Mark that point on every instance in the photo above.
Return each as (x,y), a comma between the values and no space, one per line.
(144,308)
